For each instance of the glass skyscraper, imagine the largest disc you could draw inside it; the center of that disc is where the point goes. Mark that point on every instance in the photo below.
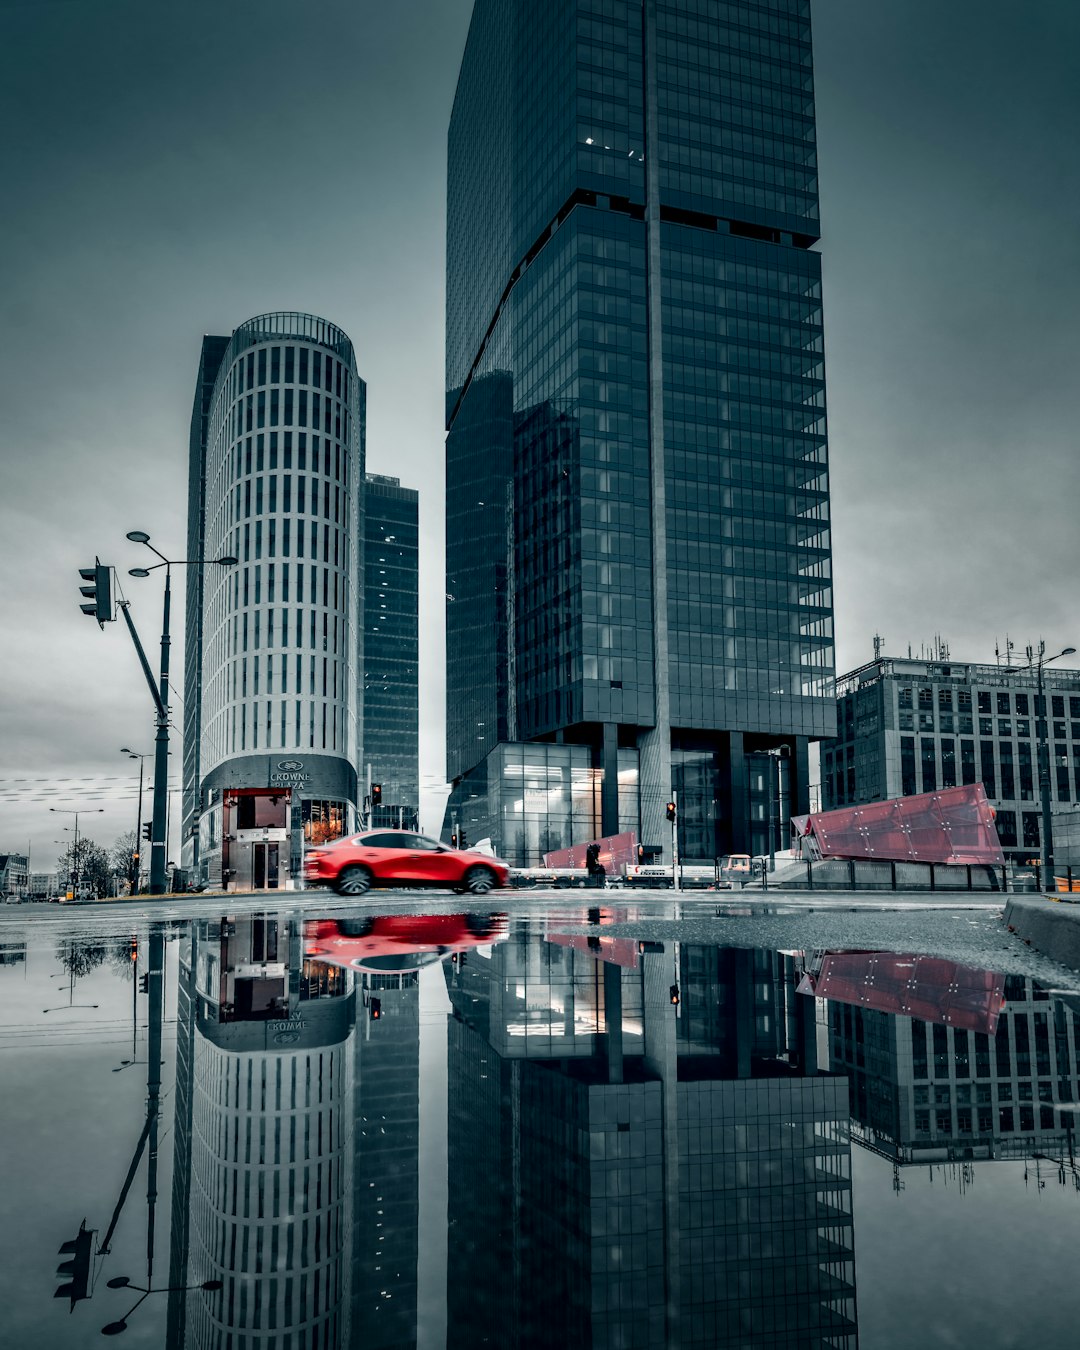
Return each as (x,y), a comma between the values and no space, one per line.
(391,648)
(638,552)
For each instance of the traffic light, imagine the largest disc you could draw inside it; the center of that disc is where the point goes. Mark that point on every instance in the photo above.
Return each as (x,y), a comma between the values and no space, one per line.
(463,841)
(98,593)
(81,1251)
(147,830)
(671,810)
(375,1008)
(376,794)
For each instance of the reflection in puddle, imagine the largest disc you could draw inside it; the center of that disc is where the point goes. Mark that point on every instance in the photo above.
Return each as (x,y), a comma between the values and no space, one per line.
(647,1143)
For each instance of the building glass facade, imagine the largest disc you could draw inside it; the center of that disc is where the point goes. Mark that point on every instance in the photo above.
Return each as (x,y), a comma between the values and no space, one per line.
(391,648)
(637,497)
(274,644)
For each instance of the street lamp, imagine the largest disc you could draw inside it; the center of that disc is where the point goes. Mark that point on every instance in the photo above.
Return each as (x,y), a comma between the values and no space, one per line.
(1041,720)
(65,811)
(161,699)
(136,861)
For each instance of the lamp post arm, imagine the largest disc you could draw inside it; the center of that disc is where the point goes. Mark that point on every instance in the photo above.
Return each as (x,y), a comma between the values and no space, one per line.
(154,691)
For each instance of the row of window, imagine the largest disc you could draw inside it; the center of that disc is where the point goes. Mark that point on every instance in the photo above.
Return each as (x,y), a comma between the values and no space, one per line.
(1001,701)
(288,365)
(964,723)
(281,409)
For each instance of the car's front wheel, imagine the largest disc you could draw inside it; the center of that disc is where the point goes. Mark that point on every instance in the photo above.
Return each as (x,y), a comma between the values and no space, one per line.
(479,880)
(353,881)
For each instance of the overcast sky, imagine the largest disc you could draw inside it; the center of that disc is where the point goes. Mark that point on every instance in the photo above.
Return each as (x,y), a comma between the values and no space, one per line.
(172,170)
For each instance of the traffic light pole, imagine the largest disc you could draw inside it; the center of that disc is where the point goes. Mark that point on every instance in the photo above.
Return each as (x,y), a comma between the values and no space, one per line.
(675,841)
(161,755)
(159,691)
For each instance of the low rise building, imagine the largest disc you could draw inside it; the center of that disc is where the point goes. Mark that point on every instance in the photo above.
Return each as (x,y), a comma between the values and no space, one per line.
(906,726)
(14,874)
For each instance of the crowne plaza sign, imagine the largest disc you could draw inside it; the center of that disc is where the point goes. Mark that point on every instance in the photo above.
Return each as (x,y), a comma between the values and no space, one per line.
(288,773)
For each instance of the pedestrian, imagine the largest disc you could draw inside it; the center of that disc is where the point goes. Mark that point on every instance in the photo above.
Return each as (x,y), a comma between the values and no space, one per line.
(595,868)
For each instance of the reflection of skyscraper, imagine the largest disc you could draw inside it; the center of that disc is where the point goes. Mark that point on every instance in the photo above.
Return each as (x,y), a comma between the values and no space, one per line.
(638,1155)
(262,1191)
(928,1091)
(386,1129)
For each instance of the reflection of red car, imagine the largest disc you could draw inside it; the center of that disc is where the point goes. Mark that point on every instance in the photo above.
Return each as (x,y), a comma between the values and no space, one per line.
(394,943)
(388,857)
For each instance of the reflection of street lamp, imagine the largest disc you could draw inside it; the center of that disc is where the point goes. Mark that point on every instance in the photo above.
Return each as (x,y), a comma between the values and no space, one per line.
(122,1282)
(1047,834)
(65,1006)
(160,693)
(776,798)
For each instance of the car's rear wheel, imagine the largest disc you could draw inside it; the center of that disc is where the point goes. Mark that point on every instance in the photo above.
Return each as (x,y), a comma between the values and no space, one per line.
(353,881)
(354,928)
(479,880)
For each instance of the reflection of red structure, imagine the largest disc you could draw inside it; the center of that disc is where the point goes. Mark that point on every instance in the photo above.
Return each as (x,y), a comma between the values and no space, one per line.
(617,852)
(927,987)
(390,944)
(955,825)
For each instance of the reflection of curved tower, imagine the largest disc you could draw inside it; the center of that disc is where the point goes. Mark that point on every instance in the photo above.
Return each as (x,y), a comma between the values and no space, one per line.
(642,1151)
(262,1187)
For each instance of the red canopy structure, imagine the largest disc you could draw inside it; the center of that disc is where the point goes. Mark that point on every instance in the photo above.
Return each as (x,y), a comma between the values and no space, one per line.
(955,825)
(927,987)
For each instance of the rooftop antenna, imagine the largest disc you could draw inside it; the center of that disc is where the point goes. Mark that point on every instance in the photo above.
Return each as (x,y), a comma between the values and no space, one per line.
(879,642)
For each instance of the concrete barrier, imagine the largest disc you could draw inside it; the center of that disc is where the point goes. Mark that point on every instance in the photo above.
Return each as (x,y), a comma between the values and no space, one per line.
(1049,926)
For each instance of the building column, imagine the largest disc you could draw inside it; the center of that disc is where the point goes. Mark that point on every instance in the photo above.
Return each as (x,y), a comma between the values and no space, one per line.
(799,777)
(609,780)
(654,773)
(734,784)
(613,1020)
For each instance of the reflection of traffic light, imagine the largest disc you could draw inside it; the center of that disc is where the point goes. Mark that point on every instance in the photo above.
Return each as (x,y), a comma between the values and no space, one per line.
(81,1251)
(376,794)
(671,810)
(673,994)
(134,949)
(375,1008)
(144,984)
(454,840)
(99,593)
(147,830)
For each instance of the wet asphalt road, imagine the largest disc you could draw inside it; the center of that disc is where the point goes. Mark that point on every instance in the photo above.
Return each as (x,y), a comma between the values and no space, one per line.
(963,927)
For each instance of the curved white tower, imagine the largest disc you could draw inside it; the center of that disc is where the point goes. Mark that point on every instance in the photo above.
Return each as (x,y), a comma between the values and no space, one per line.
(275,642)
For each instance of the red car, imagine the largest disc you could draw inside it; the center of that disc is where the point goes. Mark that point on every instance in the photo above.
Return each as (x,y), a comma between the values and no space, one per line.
(398,857)
(396,943)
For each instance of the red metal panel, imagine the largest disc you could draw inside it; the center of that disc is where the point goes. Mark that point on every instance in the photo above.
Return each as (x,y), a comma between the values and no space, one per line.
(955,825)
(617,852)
(927,987)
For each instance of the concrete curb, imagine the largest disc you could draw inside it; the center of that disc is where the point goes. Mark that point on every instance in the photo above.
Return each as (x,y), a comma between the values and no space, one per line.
(1051,926)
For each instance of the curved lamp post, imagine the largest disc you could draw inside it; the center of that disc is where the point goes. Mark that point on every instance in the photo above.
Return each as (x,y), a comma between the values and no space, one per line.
(161,700)
(1041,725)
(122,1282)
